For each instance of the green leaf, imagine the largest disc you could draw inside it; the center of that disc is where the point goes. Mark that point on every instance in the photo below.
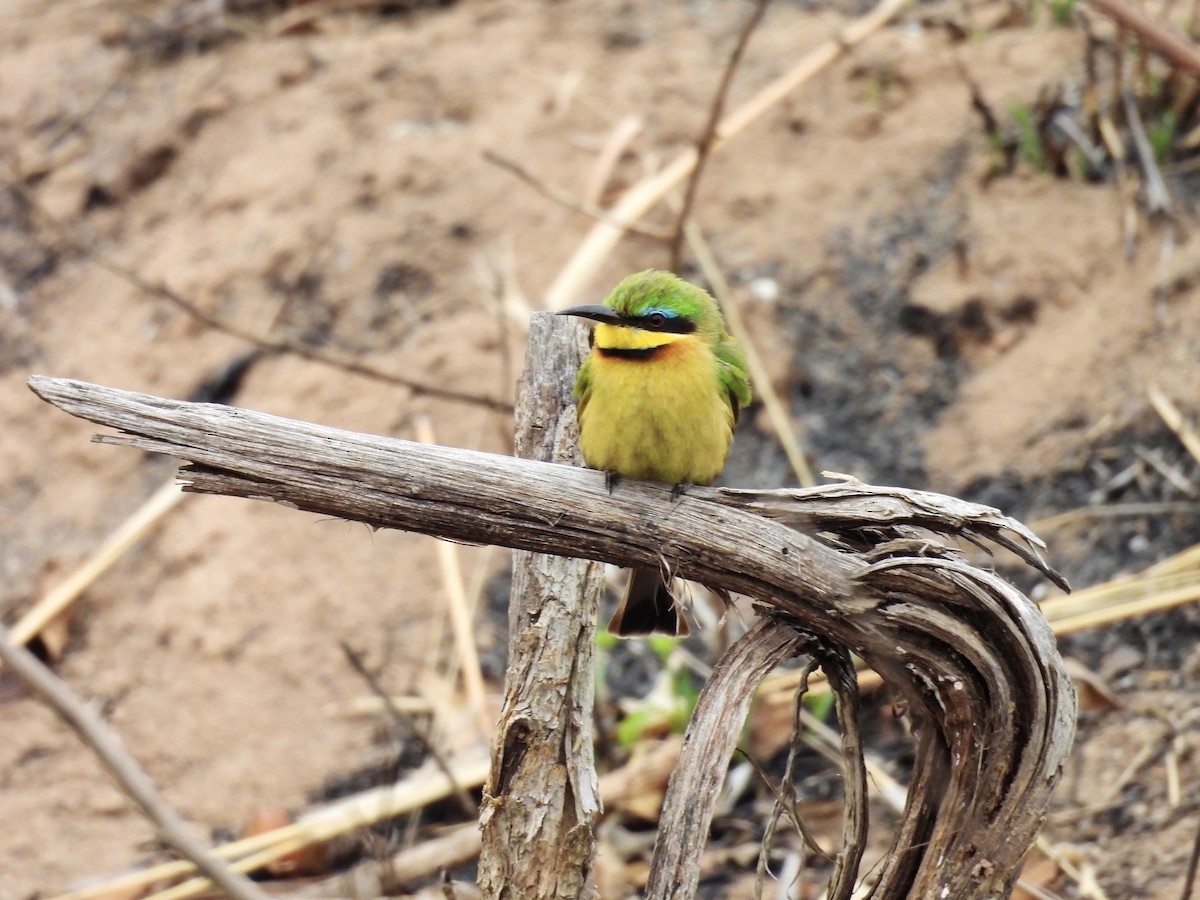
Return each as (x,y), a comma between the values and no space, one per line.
(820,705)
(662,646)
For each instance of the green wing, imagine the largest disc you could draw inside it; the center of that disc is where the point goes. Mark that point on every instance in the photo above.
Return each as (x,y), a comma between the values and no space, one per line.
(583,385)
(733,371)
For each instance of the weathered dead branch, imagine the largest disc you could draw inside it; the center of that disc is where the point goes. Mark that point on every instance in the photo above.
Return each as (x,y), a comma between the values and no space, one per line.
(541,802)
(972,658)
(696,782)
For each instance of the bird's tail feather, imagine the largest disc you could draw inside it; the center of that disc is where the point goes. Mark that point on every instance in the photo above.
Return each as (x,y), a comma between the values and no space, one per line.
(648,607)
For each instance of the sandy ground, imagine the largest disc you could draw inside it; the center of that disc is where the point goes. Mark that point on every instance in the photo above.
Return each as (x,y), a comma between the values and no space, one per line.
(932,327)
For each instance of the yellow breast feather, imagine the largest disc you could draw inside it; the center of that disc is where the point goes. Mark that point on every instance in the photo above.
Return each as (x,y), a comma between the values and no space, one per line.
(659,417)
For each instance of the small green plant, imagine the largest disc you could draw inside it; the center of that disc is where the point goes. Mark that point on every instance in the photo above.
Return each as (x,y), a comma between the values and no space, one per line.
(669,705)
(883,81)
(999,153)
(821,705)
(1077,165)
(1029,138)
(1154,86)
(1062,12)
(1161,135)
(605,644)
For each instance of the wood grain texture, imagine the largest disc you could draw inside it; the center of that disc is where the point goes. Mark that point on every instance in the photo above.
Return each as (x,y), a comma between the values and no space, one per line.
(711,737)
(972,659)
(541,802)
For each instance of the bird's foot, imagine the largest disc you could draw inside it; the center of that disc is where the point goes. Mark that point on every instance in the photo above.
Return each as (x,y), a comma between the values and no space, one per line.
(679,490)
(610,480)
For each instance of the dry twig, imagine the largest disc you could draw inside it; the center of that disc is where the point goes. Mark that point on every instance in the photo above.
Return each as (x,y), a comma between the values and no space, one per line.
(575,276)
(418,789)
(709,135)
(840,670)
(1160,37)
(614,147)
(1158,198)
(463,843)
(403,724)
(1120,599)
(1175,420)
(114,547)
(1189,880)
(1082,514)
(785,427)
(785,796)
(563,198)
(460,614)
(68,236)
(124,769)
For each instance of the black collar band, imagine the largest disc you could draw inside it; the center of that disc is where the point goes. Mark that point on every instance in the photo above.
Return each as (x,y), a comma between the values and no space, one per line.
(639,353)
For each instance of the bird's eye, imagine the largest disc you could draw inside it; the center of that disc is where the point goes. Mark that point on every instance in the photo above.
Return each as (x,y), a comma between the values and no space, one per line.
(656,320)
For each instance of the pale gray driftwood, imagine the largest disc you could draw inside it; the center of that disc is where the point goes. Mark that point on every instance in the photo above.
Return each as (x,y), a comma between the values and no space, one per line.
(971,658)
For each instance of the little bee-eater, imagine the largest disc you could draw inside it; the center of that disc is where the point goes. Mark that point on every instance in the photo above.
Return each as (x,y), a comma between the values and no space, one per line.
(658,398)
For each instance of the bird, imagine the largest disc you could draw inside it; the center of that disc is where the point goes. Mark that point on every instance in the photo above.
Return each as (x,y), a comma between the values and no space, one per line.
(657,399)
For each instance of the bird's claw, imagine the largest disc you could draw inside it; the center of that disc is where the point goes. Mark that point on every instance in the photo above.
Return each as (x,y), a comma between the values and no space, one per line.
(610,480)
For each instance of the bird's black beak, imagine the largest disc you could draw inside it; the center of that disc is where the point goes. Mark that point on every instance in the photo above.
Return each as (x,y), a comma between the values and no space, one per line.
(596,312)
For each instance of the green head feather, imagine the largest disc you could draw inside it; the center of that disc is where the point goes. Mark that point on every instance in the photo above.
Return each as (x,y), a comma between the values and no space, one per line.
(654,290)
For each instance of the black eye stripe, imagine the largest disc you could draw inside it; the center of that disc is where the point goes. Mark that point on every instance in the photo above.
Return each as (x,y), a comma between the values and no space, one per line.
(668,324)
